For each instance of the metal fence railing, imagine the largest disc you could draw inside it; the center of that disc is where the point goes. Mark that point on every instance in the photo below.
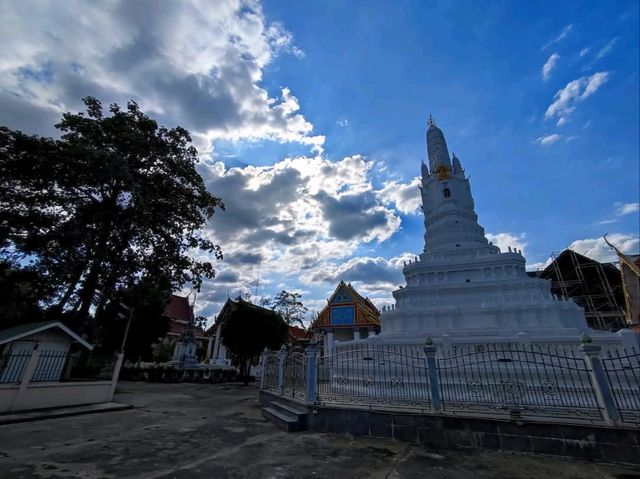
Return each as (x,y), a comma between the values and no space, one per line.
(367,375)
(623,372)
(12,365)
(56,365)
(517,379)
(569,383)
(84,366)
(50,366)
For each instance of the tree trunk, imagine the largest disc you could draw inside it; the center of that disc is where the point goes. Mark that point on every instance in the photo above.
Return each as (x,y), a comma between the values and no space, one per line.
(70,289)
(89,290)
(247,371)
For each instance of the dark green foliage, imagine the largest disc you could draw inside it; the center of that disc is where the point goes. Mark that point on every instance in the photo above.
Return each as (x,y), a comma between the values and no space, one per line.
(115,201)
(20,291)
(288,305)
(148,300)
(248,330)
(162,350)
(200,322)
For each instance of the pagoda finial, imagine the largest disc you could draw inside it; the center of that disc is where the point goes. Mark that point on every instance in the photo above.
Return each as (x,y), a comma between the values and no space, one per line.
(431,121)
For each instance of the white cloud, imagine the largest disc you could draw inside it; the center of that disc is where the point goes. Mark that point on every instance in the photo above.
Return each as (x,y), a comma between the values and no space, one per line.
(562,121)
(607,48)
(343,123)
(597,248)
(626,208)
(405,196)
(561,36)
(186,63)
(538,266)
(549,66)
(506,240)
(295,218)
(620,209)
(298,214)
(608,221)
(375,277)
(564,100)
(549,139)
(584,51)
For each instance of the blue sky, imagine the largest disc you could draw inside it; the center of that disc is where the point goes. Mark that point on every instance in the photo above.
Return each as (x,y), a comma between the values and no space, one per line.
(310,119)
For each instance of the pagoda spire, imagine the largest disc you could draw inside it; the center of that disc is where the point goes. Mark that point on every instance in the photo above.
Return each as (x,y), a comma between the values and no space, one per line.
(424,170)
(457,167)
(436,147)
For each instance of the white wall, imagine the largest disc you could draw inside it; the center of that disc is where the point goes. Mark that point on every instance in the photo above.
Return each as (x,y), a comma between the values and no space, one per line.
(40,395)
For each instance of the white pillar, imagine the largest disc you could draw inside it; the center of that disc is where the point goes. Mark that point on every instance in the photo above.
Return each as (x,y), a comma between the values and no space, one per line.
(329,339)
(216,348)
(209,349)
(27,374)
(115,376)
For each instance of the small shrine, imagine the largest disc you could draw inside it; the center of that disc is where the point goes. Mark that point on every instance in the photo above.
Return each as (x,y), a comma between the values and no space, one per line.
(184,354)
(346,317)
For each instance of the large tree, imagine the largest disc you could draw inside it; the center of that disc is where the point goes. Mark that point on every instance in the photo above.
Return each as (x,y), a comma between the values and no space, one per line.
(288,305)
(20,294)
(115,199)
(248,329)
(144,304)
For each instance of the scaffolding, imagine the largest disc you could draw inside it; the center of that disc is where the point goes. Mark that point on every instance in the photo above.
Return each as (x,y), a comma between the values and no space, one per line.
(597,287)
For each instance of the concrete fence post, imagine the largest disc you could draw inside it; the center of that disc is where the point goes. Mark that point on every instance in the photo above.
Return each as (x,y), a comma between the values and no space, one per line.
(264,356)
(311,376)
(282,356)
(602,388)
(116,374)
(27,374)
(432,368)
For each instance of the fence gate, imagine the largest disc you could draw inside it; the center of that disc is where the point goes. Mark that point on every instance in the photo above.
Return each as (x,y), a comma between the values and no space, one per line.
(270,380)
(295,374)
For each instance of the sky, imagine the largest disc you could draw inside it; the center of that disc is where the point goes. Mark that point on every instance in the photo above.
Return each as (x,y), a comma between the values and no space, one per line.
(310,120)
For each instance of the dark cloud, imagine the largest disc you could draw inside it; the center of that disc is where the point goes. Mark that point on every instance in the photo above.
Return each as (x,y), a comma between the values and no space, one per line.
(352,216)
(243,258)
(251,213)
(375,273)
(19,113)
(227,277)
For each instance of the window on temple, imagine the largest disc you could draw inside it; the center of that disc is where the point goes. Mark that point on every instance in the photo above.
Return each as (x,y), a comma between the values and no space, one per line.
(447,192)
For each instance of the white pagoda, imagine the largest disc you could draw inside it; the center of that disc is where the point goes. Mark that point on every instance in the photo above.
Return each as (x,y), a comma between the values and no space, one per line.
(463,288)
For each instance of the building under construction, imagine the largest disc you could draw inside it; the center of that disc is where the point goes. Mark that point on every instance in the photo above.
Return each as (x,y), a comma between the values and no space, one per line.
(595,286)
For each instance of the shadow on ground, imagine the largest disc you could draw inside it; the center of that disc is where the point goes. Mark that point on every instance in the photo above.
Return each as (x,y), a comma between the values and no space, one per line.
(217,431)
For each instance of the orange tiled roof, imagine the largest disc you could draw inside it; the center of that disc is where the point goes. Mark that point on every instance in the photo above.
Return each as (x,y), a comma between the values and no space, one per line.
(181,314)
(299,333)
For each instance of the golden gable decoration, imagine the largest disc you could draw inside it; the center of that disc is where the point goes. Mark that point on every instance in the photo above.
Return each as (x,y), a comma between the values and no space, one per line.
(347,309)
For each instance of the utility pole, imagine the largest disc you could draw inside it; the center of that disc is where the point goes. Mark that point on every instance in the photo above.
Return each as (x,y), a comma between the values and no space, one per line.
(126,330)
(258,280)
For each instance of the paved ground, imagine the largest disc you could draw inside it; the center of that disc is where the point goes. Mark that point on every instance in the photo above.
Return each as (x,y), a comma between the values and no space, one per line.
(217,431)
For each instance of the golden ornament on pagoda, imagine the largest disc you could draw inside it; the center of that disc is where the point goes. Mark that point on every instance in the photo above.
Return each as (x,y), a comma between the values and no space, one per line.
(443,172)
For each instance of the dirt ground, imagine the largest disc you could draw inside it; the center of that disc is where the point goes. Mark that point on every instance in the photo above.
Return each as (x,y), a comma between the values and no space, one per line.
(217,431)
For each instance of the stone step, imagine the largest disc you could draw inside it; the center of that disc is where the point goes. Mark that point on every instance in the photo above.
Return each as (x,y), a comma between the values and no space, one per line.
(286,421)
(289,408)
